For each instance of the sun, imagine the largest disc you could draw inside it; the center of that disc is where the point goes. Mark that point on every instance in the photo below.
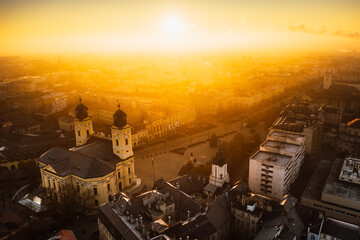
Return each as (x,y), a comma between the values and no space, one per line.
(173,25)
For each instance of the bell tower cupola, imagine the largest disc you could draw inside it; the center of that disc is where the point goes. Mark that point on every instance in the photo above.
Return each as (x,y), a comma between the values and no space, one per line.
(219,174)
(82,124)
(121,135)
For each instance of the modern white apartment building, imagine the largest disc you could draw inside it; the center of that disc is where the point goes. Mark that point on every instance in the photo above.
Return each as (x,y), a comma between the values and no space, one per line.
(277,164)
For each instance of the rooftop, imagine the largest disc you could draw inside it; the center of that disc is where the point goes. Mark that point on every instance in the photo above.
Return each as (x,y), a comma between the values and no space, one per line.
(317,181)
(287,135)
(288,147)
(340,189)
(271,158)
(92,160)
(350,171)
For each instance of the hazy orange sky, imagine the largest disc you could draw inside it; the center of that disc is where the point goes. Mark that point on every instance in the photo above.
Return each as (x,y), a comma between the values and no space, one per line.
(71,26)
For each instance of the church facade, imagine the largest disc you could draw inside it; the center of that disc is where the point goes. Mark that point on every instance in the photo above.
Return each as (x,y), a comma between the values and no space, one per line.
(100,167)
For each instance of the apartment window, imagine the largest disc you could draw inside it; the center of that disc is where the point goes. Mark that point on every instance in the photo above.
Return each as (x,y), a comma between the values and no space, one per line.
(108,186)
(117,142)
(78,133)
(87,133)
(95,191)
(119,174)
(126,141)
(129,180)
(129,170)
(96,202)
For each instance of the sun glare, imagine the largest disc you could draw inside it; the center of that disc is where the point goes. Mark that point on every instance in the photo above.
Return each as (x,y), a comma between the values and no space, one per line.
(173,25)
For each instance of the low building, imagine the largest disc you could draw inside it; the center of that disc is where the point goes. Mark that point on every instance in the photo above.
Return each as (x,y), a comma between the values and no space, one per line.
(349,138)
(66,123)
(329,193)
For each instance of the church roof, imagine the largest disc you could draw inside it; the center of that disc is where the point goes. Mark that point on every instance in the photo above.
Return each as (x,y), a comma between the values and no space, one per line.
(81,111)
(120,118)
(89,161)
(219,158)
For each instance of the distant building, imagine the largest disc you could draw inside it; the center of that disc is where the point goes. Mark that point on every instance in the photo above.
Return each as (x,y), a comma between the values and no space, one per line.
(343,78)
(66,123)
(349,138)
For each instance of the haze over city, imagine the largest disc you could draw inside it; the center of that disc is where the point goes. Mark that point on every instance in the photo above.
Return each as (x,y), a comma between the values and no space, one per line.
(183,119)
(174,26)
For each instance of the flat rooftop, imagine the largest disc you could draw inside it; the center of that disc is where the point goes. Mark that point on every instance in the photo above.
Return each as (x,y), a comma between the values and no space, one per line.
(317,181)
(345,190)
(271,158)
(288,147)
(292,136)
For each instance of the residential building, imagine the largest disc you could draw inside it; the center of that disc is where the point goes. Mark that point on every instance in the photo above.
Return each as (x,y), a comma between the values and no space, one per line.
(277,164)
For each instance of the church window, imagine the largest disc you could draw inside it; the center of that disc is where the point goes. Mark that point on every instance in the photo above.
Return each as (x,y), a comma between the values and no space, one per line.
(78,133)
(129,170)
(49,183)
(96,202)
(126,141)
(95,191)
(119,174)
(117,142)
(78,187)
(108,186)
(87,133)
(129,180)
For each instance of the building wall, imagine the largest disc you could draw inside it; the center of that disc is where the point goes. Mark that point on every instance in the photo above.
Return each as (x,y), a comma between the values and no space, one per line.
(108,185)
(104,233)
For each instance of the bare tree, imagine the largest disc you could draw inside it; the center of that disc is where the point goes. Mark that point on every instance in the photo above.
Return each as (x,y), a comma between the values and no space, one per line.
(68,199)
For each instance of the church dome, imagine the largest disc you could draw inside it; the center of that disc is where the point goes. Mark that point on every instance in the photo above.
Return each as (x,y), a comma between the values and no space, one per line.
(219,158)
(81,111)
(120,118)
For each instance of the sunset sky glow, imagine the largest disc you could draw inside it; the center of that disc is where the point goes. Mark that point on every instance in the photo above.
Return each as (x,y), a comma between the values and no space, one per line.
(41,26)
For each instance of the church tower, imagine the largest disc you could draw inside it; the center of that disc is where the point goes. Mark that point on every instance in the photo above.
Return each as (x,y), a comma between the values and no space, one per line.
(219,174)
(121,135)
(82,124)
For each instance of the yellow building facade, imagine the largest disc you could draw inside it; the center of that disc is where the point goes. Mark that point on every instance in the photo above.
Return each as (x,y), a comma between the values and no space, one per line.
(97,166)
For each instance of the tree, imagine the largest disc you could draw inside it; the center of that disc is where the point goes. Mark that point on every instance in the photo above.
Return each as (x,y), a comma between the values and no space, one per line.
(68,199)
(213,142)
